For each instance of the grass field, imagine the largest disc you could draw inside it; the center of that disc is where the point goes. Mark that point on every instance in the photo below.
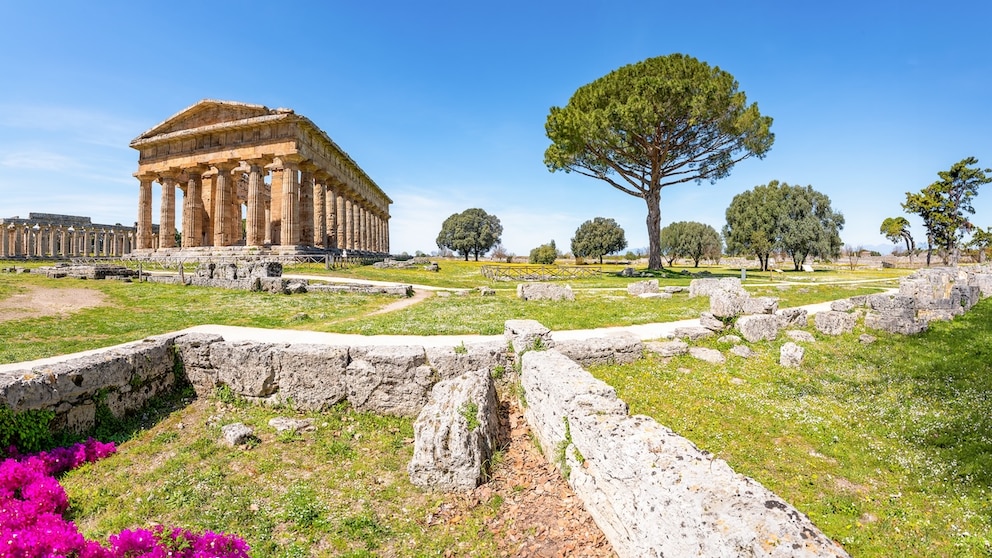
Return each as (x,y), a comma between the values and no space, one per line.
(886,446)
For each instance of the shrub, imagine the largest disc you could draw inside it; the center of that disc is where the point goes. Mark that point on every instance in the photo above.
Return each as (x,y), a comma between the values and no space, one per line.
(545,254)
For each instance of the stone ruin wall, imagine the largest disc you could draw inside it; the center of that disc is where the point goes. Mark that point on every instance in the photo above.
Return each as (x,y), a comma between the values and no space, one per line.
(727,512)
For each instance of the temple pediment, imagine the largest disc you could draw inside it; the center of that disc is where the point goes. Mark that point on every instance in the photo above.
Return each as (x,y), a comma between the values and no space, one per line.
(208,112)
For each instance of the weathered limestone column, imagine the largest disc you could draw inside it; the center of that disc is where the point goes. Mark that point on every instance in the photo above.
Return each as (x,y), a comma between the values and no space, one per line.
(193,210)
(290,227)
(349,223)
(167,221)
(28,241)
(4,241)
(341,214)
(320,209)
(275,202)
(255,221)
(332,214)
(306,204)
(235,232)
(357,224)
(376,232)
(222,203)
(145,212)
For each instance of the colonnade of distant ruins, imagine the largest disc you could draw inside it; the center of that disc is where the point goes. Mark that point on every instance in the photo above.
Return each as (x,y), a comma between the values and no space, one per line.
(220,153)
(47,235)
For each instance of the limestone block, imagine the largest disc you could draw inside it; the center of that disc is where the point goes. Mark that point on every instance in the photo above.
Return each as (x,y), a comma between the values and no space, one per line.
(285,424)
(792,317)
(760,305)
(742,351)
(236,434)
(894,323)
(389,380)
(450,362)
(642,287)
(858,300)
(667,348)
(194,352)
(524,335)
(844,305)
(652,492)
(691,332)
(726,304)
(456,433)
(226,271)
(672,289)
(729,340)
(800,335)
(791,355)
(758,327)
(309,377)
(703,287)
(867,339)
(834,323)
(246,368)
(712,356)
(544,291)
(621,348)
(711,322)
(893,305)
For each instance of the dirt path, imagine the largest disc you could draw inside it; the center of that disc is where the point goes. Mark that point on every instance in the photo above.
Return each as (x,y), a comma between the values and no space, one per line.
(36,302)
(402,303)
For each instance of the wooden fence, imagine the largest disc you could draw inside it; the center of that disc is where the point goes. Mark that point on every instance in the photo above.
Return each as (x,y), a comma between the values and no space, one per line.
(539,272)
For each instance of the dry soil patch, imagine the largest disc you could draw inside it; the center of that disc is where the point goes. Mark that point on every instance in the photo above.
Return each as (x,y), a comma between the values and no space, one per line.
(37,302)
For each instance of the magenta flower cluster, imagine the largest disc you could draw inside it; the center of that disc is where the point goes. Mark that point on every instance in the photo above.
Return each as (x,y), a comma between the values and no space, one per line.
(32,504)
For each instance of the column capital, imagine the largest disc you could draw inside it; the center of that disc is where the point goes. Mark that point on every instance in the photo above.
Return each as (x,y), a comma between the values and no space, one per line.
(226,165)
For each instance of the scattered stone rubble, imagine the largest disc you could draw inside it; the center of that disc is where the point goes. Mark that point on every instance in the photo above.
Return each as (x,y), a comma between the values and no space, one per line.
(98,271)
(544,291)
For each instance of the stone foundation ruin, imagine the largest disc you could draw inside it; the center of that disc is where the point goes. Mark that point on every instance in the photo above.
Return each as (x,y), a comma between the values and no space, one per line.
(633,475)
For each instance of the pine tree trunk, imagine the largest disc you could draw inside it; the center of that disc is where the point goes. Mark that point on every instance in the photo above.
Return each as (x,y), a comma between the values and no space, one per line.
(653,199)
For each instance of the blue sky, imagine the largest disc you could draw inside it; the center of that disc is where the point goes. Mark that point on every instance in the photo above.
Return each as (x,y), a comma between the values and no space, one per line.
(444,103)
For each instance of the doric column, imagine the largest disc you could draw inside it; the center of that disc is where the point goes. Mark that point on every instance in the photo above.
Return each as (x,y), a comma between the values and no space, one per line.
(255,219)
(222,203)
(193,209)
(375,232)
(363,227)
(340,219)
(289,233)
(167,220)
(275,203)
(145,212)
(385,231)
(320,209)
(349,223)
(306,204)
(4,241)
(331,204)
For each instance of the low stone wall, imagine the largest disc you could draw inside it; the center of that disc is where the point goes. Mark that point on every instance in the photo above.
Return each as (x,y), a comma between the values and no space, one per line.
(652,492)
(121,378)
(394,380)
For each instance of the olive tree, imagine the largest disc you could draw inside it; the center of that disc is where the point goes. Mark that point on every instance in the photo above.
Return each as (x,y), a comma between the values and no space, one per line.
(692,240)
(598,237)
(795,219)
(472,231)
(662,121)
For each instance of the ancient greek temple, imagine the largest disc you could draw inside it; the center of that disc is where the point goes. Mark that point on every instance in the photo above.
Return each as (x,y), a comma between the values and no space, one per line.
(254,177)
(50,235)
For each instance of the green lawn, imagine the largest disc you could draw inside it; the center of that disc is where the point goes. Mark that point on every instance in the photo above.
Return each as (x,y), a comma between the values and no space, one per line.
(887,446)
